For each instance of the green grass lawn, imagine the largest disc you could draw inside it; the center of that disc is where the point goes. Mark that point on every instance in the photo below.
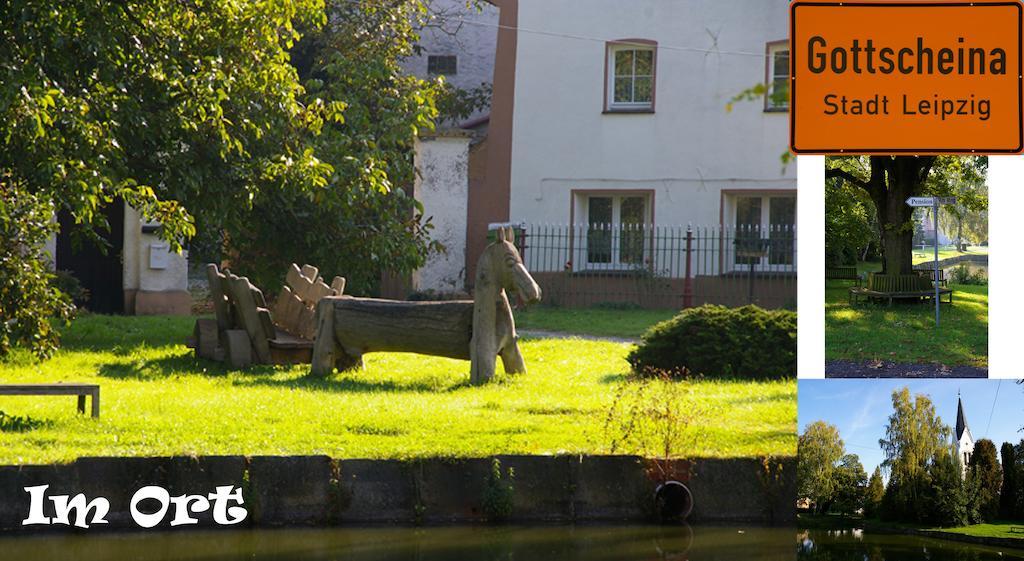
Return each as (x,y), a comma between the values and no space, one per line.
(159,400)
(606,322)
(996,529)
(906,332)
(945,252)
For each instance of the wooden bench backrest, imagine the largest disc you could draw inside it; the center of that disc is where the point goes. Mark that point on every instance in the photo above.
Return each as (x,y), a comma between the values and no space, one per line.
(841,273)
(295,308)
(898,283)
(238,304)
(221,305)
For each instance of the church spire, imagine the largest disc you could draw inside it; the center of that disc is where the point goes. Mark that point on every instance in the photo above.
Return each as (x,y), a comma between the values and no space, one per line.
(961,420)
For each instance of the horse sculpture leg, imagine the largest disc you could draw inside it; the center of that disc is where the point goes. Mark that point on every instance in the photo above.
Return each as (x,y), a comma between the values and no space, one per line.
(482,356)
(508,346)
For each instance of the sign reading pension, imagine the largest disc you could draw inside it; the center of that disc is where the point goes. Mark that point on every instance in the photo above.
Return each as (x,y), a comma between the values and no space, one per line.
(906,77)
(931,201)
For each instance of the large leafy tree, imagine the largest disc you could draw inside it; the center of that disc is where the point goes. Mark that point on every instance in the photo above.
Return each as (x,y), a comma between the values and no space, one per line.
(1009,489)
(984,467)
(819,449)
(363,221)
(850,223)
(963,224)
(873,494)
(890,180)
(851,486)
(187,110)
(951,496)
(914,435)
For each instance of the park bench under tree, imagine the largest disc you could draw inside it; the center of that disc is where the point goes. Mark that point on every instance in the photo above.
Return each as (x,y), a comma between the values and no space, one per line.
(898,287)
(245,331)
(80,390)
(930,273)
(842,273)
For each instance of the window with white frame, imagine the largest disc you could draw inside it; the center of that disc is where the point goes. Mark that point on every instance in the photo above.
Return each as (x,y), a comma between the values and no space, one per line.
(764,230)
(777,96)
(615,230)
(631,70)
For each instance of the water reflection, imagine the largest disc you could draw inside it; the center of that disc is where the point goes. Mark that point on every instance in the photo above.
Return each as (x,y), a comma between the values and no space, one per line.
(855,545)
(559,543)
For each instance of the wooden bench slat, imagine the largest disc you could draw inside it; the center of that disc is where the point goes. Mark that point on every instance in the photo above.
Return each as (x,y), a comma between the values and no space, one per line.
(80,390)
(48,389)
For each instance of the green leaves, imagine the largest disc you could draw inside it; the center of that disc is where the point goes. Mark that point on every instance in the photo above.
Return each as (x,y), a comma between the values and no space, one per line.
(353,217)
(179,108)
(29,302)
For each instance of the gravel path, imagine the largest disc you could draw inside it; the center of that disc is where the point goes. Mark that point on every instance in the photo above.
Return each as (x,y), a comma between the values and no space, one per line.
(882,369)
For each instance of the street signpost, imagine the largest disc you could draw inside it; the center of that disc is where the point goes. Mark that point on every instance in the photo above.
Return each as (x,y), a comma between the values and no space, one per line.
(934,203)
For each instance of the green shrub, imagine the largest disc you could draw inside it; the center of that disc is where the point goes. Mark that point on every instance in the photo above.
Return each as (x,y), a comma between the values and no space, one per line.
(961,274)
(715,341)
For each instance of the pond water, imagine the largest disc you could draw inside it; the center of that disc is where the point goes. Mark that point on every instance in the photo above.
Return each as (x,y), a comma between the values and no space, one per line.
(553,543)
(856,545)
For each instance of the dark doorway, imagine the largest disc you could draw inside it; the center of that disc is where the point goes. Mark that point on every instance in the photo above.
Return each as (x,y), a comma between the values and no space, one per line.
(99,270)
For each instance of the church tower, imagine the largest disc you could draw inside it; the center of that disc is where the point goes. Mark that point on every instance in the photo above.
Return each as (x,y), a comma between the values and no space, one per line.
(964,439)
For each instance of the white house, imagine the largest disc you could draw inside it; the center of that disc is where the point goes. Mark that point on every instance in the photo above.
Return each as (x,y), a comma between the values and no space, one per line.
(458,43)
(611,115)
(137,273)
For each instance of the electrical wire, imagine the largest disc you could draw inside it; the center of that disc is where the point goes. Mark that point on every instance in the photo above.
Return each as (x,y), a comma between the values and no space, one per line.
(572,36)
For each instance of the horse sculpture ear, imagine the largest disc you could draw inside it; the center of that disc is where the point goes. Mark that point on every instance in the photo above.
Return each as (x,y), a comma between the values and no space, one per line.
(511,236)
(501,234)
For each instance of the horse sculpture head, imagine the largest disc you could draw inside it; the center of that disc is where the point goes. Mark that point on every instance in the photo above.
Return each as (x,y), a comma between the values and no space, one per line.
(506,266)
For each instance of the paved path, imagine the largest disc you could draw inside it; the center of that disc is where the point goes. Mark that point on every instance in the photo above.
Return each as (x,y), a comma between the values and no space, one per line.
(851,369)
(541,334)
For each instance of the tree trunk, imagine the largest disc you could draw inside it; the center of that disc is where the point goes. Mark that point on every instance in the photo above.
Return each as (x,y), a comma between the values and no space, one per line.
(366,325)
(903,179)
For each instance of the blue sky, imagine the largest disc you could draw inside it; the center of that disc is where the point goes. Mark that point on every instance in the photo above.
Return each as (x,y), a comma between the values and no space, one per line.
(860,409)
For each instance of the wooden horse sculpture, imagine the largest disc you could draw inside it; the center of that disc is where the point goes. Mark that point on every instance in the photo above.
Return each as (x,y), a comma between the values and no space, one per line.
(479,330)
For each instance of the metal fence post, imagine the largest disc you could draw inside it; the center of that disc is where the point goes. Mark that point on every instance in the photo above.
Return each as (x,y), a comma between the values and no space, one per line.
(688,279)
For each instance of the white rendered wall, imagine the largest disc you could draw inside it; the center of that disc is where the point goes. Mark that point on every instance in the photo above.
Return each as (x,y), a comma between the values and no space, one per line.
(688,151)
(138,275)
(442,185)
(473,40)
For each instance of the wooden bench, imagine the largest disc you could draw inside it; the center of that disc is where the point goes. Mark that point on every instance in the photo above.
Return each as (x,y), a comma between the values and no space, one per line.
(930,274)
(81,390)
(842,273)
(858,293)
(246,332)
(910,286)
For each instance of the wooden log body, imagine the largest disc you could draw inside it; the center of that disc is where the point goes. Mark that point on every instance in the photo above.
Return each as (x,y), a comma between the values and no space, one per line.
(365,325)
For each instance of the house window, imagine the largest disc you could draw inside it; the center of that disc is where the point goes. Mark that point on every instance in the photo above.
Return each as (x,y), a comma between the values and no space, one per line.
(615,230)
(777,79)
(631,70)
(764,231)
(443,64)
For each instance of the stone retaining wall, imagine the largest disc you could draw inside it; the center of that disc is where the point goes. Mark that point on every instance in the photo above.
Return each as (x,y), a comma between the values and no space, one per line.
(320,491)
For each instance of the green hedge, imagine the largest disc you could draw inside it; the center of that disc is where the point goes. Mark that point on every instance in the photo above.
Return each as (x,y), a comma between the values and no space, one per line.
(720,342)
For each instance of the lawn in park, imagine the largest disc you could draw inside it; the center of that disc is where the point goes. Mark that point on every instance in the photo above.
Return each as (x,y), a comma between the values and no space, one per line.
(995,529)
(157,399)
(926,254)
(905,332)
(598,321)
